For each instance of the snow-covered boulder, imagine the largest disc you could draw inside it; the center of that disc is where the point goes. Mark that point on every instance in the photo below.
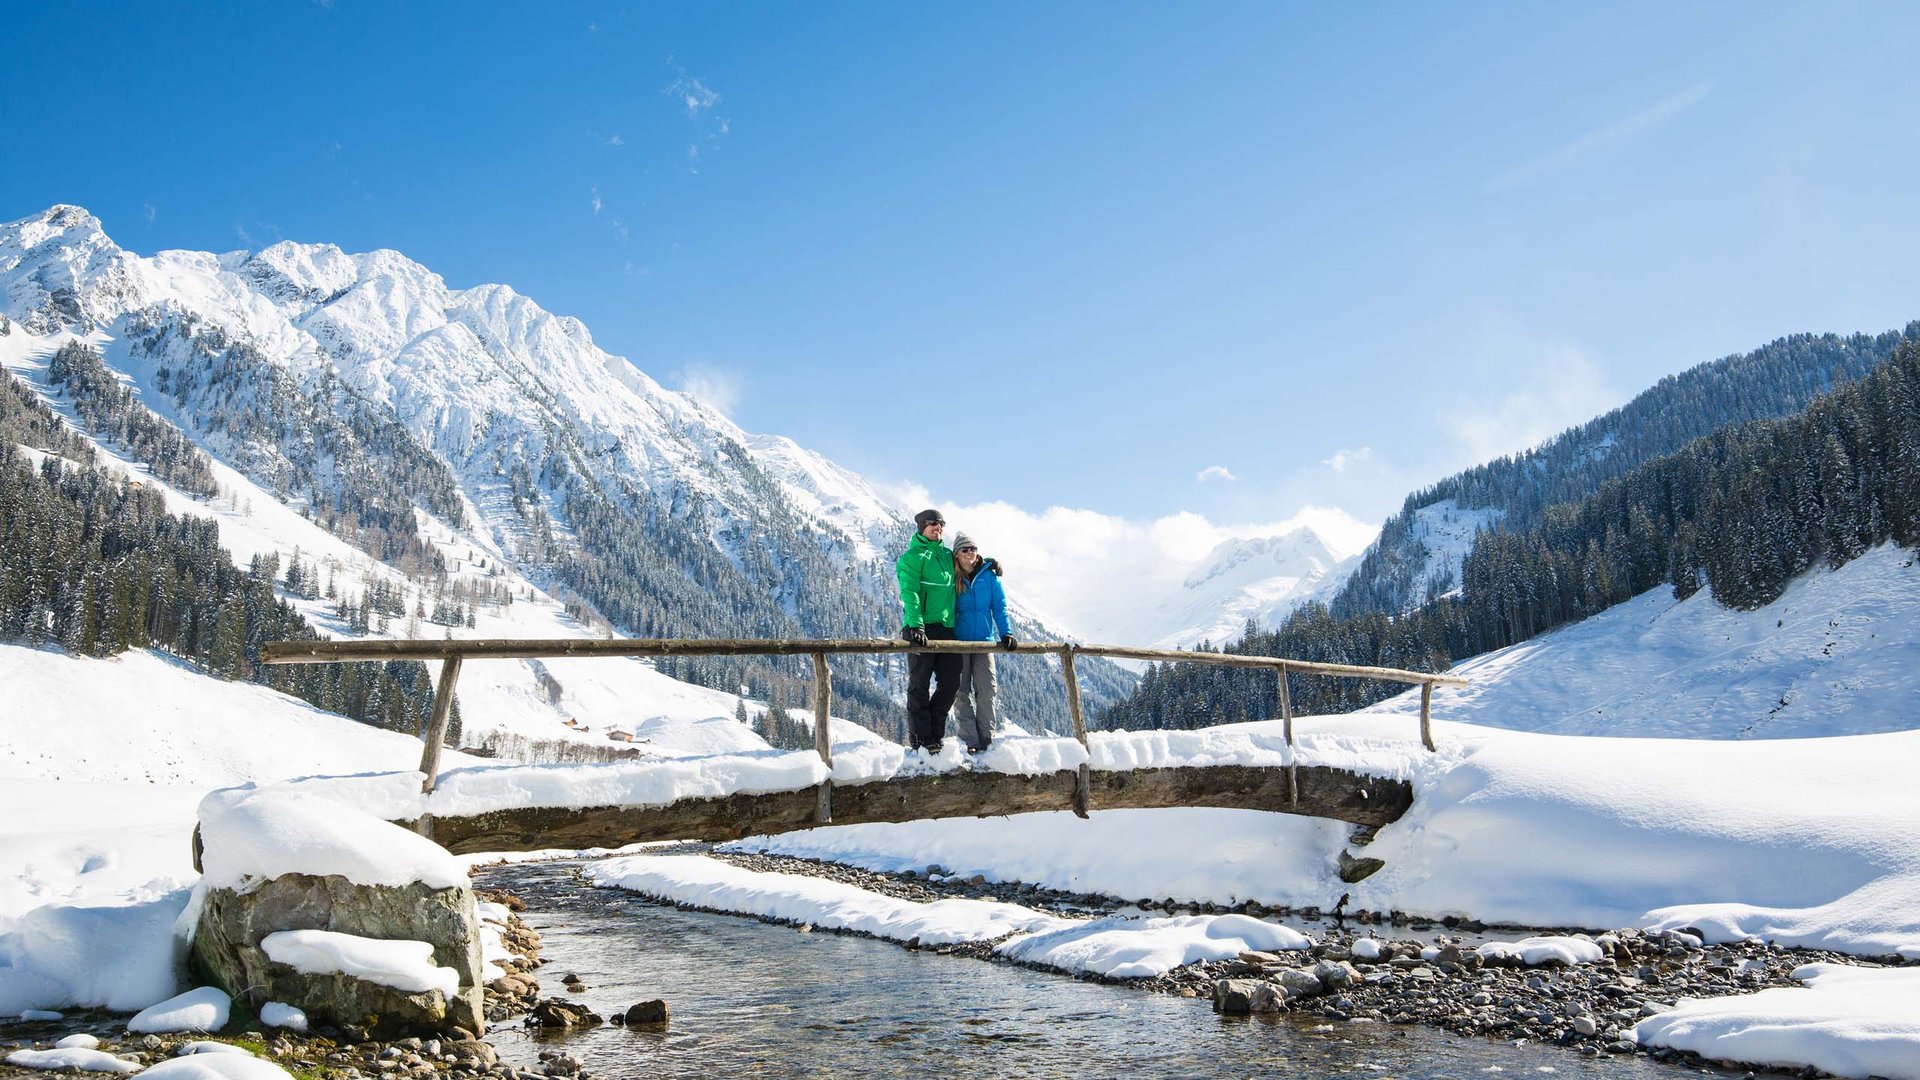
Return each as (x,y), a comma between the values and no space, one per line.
(279,867)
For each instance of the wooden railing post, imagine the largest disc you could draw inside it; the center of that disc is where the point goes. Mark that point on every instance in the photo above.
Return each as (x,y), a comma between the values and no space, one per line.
(1286,719)
(1426,715)
(1082,785)
(823,736)
(436,732)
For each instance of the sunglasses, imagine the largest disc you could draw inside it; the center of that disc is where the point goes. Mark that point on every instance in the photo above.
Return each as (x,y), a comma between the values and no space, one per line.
(968,550)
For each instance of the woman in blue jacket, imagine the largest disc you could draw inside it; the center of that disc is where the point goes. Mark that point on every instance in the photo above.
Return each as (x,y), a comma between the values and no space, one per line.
(980,614)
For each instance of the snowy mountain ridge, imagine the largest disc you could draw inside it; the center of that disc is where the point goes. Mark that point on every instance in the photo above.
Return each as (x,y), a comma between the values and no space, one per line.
(474,374)
(433,427)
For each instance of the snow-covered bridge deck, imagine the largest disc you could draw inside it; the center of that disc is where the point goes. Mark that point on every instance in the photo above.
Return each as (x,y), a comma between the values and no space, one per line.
(658,800)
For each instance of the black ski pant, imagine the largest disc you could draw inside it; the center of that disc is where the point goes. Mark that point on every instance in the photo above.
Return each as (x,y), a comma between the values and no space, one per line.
(927,711)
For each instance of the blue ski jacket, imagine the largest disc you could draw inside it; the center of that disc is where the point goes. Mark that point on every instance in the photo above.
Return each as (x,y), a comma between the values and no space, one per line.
(980,613)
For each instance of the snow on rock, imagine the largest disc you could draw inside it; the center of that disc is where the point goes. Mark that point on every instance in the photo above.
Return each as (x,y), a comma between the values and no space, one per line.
(282,1015)
(275,833)
(40,1014)
(1535,951)
(80,1041)
(1128,948)
(404,965)
(218,1067)
(116,956)
(1849,1021)
(77,1059)
(208,1046)
(202,1009)
(701,882)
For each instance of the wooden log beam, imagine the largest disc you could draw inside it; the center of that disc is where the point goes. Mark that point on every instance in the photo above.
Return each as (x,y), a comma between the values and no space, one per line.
(1323,792)
(335,652)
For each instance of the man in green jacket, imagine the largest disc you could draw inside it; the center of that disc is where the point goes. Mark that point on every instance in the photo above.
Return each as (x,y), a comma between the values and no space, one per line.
(925,571)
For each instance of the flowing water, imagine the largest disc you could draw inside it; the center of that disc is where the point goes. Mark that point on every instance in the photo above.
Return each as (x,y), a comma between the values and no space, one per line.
(749,998)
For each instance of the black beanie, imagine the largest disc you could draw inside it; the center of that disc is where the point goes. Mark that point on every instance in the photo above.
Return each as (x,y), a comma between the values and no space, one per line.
(926,517)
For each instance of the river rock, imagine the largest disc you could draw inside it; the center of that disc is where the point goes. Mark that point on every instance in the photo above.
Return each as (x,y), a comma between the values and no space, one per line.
(1299,983)
(1233,997)
(1359,869)
(556,1013)
(1267,998)
(226,950)
(647,1012)
(1336,974)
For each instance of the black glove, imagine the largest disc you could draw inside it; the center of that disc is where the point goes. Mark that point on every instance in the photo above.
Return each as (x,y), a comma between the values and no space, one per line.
(1007,642)
(914,635)
(998,570)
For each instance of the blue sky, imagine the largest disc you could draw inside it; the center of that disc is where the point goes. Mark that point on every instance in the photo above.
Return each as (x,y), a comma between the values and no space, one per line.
(1141,259)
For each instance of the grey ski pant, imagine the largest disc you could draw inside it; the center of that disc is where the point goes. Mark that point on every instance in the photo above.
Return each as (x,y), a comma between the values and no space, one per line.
(973,705)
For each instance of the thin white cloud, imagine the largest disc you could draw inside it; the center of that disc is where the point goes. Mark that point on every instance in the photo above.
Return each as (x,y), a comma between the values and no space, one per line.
(1106,578)
(718,390)
(614,140)
(151,210)
(694,94)
(1342,459)
(1213,472)
(597,204)
(1610,132)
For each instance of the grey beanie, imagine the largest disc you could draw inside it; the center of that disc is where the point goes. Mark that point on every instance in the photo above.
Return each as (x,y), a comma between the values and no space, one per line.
(961,540)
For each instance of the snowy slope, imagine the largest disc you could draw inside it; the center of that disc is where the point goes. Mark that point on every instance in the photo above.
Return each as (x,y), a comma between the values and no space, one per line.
(1837,654)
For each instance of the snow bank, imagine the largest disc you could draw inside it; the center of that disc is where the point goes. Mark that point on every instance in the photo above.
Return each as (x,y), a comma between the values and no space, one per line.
(218,1067)
(113,956)
(204,1009)
(1185,854)
(1117,947)
(1850,1021)
(1535,951)
(714,885)
(276,833)
(404,965)
(80,1060)
(1125,948)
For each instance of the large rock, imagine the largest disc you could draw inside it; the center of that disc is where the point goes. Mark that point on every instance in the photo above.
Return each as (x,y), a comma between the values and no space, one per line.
(227,953)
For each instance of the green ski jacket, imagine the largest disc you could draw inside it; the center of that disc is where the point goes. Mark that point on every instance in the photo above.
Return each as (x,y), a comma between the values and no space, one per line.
(926,583)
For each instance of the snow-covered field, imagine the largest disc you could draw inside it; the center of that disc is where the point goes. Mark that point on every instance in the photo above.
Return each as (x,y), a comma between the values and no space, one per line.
(1837,654)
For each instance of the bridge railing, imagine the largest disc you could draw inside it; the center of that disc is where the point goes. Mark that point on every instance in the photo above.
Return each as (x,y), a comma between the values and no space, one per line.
(452,654)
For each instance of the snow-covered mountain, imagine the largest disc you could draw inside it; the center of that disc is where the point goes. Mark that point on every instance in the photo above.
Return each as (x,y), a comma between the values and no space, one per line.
(476,375)
(469,441)
(1262,578)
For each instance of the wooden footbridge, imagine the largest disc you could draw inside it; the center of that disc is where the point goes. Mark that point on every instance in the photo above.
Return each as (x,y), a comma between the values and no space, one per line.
(1318,791)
